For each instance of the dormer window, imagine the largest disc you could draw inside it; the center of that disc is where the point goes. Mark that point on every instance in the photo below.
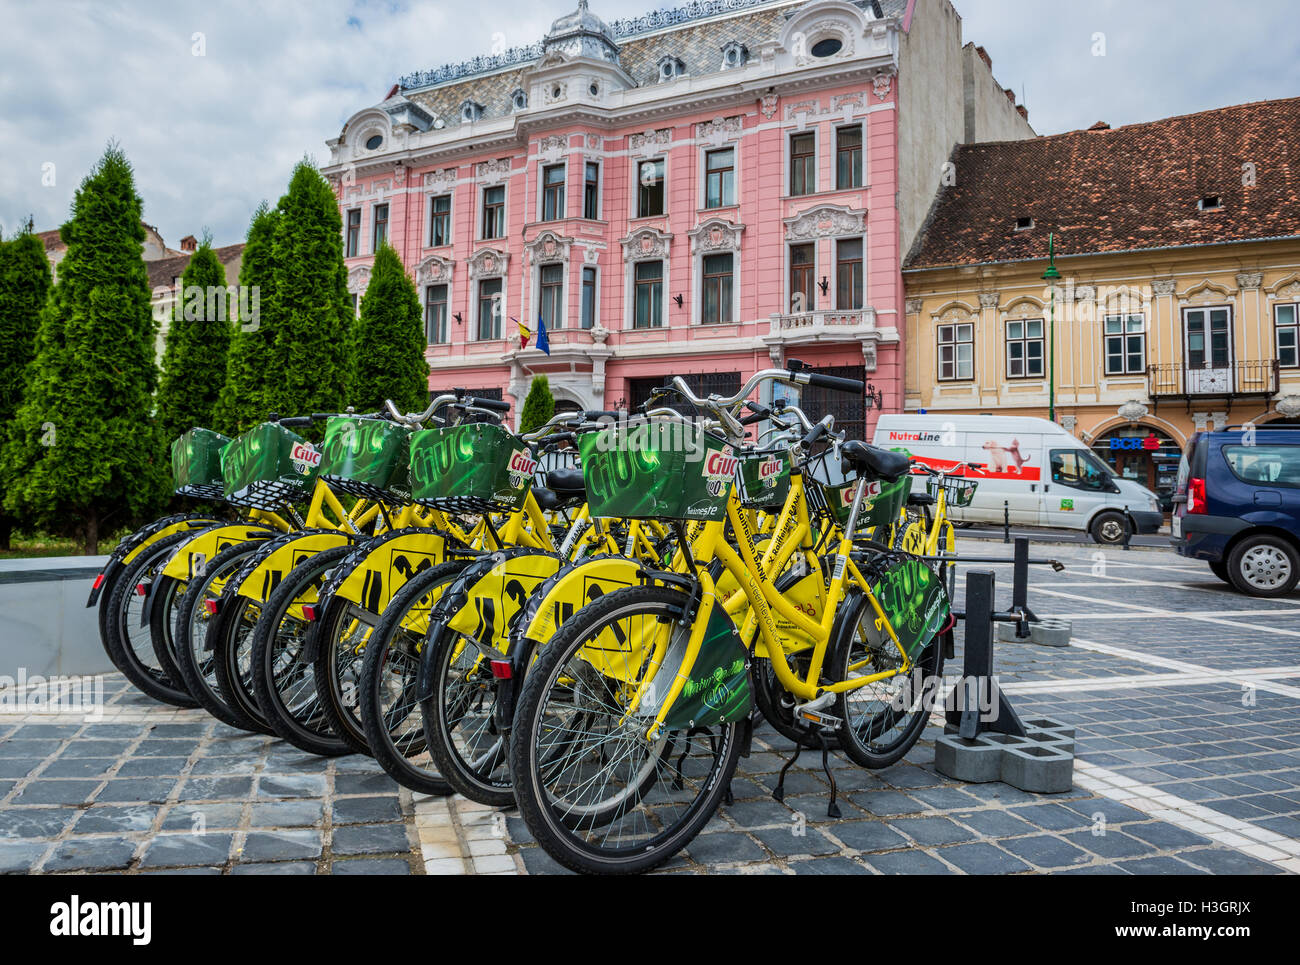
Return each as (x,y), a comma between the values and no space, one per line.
(670,68)
(1211,202)
(1024,223)
(828,47)
(734,54)
(374,142)
(519,99)
(471,111)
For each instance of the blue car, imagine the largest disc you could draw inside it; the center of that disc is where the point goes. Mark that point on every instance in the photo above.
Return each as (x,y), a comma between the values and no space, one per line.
(1237,506)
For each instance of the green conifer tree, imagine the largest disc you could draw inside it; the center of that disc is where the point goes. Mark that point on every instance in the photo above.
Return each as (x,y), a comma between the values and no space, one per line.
(198,338)
(85,453)
(241,403)
(539,405)
(388,341)
(24,287)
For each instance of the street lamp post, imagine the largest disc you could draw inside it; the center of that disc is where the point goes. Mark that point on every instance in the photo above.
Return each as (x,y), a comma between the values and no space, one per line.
(1051,276)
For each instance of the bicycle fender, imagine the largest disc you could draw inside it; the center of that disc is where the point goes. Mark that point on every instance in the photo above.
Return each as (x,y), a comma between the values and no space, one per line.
(379,567)
(192,555)
(570,589)
(130,547)
(281,556)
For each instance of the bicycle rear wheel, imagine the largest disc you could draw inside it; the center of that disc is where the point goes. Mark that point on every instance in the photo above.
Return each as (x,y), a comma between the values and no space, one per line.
(595,793)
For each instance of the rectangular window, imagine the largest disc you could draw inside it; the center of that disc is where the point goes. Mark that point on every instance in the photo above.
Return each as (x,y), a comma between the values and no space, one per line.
(591,192)
(551,307)
(802,269)
(435,314)
(489,308)
(720,178)
(440,221)
(648,298)
(356,304)
(848,274)
(379,233)
(494,212)
(803,163)
(1025,349)
(848,157)
(956,352)
(553,192)
(717,289)
(1125,348)
(588,297)
(1272,464)
(354,233)
(1285,320)
(650,188)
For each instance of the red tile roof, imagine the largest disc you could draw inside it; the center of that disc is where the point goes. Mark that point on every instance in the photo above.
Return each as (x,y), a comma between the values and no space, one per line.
(164,271)
(1130,188)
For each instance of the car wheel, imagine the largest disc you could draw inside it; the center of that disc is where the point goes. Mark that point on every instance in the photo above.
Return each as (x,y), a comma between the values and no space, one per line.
(1264,566)
(1220,569)
(1108,528)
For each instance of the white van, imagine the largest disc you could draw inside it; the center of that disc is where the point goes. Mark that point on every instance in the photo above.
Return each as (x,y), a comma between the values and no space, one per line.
(1031,468)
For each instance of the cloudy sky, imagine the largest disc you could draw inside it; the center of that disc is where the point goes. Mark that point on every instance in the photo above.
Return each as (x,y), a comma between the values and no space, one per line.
(214,101)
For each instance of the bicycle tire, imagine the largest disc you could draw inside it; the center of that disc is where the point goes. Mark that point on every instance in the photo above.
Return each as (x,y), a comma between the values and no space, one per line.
(124,628)
(197,662)
(562,831)
(398,755)
(294,715)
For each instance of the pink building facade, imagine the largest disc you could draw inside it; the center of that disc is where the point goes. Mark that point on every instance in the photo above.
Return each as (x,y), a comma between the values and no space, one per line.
(702,192)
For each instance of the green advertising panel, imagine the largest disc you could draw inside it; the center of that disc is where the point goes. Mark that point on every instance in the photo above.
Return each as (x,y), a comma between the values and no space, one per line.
(912,596)
(268,466)
(766,479)
(659,470)
(717,689)
(196,463)
(363,457)
(475,468)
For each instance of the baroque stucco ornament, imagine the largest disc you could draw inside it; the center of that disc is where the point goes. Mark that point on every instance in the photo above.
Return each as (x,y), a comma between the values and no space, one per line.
(359,278)
(548,246)
(716,234)
(1289,406)
(646,244)
(488,263)
(825,221)
(650,142)
(1132,410)
(434,270)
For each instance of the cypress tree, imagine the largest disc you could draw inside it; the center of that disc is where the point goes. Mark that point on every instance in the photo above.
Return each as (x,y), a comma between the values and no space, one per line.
(388,341)
(309,318)
(194,359)
(85,453)
(24,286)
(539,405)
(241,404)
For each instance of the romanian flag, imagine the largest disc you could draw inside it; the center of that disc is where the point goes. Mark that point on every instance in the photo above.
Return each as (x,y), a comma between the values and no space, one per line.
(524,332)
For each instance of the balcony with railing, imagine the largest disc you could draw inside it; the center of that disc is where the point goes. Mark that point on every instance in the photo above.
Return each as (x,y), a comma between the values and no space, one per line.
(1251,378)
(825,325)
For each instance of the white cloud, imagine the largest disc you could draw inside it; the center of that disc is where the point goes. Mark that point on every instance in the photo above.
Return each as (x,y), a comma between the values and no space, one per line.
(211,136)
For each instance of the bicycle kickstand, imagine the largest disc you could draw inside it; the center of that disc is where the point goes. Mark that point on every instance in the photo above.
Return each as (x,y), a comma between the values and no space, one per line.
(779,791)
(832,809)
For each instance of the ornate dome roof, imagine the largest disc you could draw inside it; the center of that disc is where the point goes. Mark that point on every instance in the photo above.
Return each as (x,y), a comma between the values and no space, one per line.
(582,34)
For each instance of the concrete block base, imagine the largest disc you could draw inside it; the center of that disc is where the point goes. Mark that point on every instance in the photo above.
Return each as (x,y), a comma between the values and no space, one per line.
(1042,761)
(1045,633)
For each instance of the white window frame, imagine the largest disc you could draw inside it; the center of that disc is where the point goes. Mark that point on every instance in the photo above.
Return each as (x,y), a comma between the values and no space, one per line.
(483,189)
(595,295)
(955,342)
(424,310)
(790,134)
(635,193)
(374,222)
(451,219)
(629,296)
(1294,326)
(541,191)
(835,276)
(1124,335)
(789,266)
(1024,339)
(564,293)
(861,124)
(708,149)
(361,227)
(505,311)
(600,180)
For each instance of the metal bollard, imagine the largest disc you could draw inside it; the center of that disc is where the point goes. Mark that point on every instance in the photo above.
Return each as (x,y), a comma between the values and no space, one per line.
(1006,521)
(1128,528)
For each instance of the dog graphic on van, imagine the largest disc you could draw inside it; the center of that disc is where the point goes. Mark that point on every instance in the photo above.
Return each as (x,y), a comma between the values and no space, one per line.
(1000,455)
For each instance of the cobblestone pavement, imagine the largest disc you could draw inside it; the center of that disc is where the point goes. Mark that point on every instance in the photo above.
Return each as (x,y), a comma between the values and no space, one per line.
(1185,697)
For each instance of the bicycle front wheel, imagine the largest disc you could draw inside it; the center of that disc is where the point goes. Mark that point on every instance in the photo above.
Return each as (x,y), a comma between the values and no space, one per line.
(597,795)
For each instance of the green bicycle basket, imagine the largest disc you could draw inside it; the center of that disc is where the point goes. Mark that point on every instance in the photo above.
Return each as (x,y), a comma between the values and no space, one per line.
(365,457)
(660,470)
(196,463)
(765,479)
(957,490)
(269,466)
(473,468)
(881,503)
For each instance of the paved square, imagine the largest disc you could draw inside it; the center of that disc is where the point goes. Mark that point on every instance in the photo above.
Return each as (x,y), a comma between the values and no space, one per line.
(1185,697)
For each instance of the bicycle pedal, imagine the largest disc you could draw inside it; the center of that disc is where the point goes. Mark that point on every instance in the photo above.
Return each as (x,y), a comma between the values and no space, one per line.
(813,713)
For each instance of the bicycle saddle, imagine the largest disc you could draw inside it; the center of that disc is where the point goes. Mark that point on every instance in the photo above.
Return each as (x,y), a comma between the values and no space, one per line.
(567,483)
(875,462)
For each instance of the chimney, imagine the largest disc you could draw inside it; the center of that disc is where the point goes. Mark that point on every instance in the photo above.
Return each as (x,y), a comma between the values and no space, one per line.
(1023,111)
(1100,126)
(984,56)
(189,243)
(1011,96)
